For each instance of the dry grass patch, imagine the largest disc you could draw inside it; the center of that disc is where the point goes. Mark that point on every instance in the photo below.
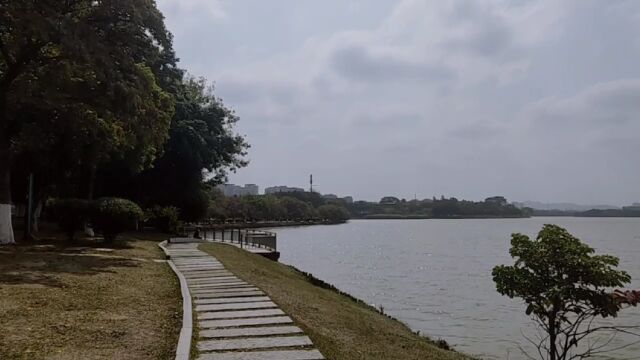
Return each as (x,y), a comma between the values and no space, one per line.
(87,301)
(341,327)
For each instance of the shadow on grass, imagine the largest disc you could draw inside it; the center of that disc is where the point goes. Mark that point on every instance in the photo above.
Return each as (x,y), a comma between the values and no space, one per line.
(45,262)
(59,242)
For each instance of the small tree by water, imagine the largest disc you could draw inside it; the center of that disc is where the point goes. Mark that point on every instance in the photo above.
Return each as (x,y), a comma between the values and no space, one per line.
(566,286)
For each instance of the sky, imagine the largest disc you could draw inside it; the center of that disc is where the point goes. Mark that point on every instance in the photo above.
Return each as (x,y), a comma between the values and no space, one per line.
(532,100)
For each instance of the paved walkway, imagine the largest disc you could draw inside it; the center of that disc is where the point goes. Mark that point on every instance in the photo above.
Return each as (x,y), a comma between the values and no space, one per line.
(235,319)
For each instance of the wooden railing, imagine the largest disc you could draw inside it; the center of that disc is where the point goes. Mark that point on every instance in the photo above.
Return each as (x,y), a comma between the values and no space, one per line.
(243,237)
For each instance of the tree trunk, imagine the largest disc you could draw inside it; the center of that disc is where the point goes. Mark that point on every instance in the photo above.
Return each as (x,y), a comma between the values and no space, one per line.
(552,337)
(36,216)
(88,230)
(6,228)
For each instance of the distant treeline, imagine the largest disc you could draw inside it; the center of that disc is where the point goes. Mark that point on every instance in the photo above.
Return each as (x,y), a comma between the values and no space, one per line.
(291,206)
(392,208)
(589,213)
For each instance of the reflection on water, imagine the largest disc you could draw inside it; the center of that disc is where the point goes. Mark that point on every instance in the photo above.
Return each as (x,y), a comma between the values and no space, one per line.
(435,275)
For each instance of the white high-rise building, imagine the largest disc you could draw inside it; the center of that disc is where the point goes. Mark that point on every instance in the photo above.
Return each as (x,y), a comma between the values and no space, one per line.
(282,189)
(236,190)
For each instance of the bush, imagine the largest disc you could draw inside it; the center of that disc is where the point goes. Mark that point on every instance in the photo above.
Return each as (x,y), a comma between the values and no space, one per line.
(71,214)
(115,215)
(164,219)
(333,213)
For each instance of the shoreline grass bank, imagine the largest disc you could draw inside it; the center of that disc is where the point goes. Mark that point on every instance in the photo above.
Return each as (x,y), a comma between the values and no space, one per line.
(88,300)
(341,326)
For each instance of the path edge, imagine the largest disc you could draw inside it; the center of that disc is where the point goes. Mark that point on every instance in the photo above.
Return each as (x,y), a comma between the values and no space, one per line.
(183,350)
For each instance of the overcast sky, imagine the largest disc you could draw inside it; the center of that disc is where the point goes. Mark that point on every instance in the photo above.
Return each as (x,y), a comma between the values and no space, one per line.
(533,100)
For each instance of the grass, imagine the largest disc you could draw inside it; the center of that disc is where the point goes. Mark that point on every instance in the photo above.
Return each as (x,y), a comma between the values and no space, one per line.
(340,326)
(88,300)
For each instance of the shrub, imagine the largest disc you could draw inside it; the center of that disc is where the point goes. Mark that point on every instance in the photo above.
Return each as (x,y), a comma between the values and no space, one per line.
(115,215)
(565,286)
(164,219)
(333,213)
(71,214)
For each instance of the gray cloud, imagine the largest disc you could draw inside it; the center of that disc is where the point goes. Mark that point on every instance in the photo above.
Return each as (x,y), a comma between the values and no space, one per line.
(356,63)
(477,131)
(533,99)
(597,107)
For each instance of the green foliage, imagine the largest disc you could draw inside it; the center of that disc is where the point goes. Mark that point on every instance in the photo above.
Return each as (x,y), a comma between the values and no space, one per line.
(165,219)
(436,208)
(202,143)
(94,86)
(82,82)
(71,214)
(562,282)
(193,204)
(270,208)
(296,209)
(333,213)
(115,215)
(312,198)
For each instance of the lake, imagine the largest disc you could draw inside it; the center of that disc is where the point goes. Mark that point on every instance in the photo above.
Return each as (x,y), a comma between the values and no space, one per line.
(435,275)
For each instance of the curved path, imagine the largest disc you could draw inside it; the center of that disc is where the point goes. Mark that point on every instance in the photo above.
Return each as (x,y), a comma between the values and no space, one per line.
(235,319)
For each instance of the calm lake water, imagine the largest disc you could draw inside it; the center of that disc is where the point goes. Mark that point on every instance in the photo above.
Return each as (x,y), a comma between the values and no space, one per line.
(435,275)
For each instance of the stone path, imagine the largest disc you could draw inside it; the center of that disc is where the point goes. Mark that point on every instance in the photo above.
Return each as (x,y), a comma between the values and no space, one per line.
(236,320)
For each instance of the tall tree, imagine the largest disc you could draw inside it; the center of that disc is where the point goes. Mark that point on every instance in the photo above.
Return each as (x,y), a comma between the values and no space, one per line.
(81,74)
(202,145)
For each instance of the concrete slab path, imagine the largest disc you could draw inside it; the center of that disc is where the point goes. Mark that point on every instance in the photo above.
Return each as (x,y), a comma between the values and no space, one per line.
(236,320)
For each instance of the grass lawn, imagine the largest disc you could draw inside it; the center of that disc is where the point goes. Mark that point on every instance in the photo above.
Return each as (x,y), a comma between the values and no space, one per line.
(88,300)
(340,327)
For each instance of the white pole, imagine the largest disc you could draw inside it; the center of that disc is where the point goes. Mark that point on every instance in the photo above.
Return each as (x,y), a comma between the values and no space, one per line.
(6,229)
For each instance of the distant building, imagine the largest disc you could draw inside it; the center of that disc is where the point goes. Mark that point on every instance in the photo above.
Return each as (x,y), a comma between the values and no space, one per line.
(633,207)
(232,190)
(389,200)
(330,196)
(498,200)
(348,199)
(282,189)
(252,189)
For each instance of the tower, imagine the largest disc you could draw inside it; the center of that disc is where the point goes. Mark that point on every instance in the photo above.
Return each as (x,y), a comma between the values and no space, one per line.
(311,183)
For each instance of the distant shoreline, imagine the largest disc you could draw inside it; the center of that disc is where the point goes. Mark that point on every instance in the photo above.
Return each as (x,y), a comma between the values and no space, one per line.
(409,217)
(619,213)
(266,224)
(427,217)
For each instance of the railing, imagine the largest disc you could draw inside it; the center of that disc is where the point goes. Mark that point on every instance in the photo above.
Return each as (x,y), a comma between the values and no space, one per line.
(243,237)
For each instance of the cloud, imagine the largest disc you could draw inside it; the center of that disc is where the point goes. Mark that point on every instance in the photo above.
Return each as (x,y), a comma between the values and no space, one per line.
(476,131)
(530,96)
(357,63)
(211,8)
(607,103)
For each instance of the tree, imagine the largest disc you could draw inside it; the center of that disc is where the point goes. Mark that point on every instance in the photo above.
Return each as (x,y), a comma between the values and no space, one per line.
(202,144)
(87,71)
(333,213)
(296,209)
(565,286)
